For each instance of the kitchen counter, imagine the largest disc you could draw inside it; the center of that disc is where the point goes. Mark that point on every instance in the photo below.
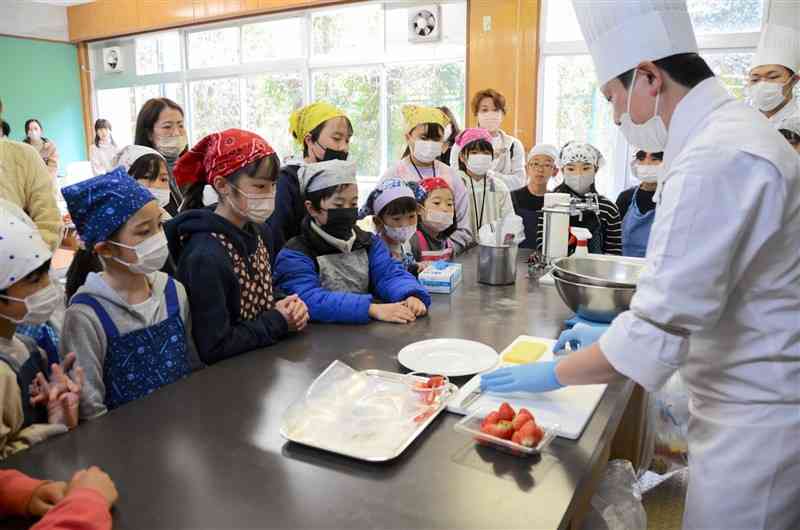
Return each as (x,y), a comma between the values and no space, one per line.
(206,451)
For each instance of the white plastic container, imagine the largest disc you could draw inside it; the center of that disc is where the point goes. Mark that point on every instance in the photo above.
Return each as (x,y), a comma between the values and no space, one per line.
(583,235)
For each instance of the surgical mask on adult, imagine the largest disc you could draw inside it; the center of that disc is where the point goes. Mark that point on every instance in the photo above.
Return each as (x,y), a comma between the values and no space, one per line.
(479,164)
(651,135)
(171,146)
(438,221)
(161,195)
(39,306)
(426,151)
(257,208)
(766,95)
(34,136)
(490,120)
(151,254)
(340,222)
(648,174)
(579,182)
(400,234)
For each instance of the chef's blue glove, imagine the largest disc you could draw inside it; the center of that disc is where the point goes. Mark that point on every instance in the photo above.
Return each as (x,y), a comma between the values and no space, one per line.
(580,336)
(533,377)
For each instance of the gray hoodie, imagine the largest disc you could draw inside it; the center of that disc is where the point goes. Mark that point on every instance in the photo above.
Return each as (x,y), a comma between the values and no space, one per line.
(83,333)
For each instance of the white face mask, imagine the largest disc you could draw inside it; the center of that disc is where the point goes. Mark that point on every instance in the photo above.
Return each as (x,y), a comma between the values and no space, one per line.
(579,183)
(258,207)
(426,151)
(162,196)
(39,306)
(35,136)
(151,254)
(651,135)
(766,95)
(490,120)
(171,146)
(400,234)
(648,174)
(479,164)
(438,221)
(210,195)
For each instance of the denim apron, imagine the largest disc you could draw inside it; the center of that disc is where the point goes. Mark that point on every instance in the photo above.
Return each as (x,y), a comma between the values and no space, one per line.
(139,362)
(636,229)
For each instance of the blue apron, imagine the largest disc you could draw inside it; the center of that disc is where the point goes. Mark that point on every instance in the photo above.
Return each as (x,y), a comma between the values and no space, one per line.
(26,373)
(636,229)
(139,362)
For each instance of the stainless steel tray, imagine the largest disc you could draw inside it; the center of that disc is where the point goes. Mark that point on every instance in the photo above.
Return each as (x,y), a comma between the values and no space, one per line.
(453,390)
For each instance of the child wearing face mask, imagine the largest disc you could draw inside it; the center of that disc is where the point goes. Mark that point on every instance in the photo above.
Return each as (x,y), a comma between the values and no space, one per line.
(28,380)
(489,109)
(224,254)
(393,205)
(637,206)
(437,222)
(130,324)
(149,168)
(344,274)
(323,131)
(579,163)
(425,128)
(489,198)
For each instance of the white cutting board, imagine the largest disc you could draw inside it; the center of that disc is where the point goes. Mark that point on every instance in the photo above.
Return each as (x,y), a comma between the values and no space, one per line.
(570,408)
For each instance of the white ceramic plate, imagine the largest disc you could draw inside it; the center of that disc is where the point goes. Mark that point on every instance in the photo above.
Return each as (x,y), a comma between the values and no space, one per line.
(450,357)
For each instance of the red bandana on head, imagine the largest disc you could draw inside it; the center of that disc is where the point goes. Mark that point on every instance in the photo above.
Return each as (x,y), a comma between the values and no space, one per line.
(435,183)
(219,155)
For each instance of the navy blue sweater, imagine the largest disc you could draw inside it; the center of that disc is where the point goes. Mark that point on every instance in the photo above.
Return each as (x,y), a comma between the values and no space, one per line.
(206,270)
(287,219)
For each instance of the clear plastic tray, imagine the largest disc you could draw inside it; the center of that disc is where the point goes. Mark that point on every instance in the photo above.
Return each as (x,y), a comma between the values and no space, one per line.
(471,425)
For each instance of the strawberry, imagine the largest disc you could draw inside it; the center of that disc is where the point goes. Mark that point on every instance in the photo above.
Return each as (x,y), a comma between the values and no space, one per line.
(504,430)
(531,434)
(506,412)
(522,417)
(517,438)
(492,418)
(436,381)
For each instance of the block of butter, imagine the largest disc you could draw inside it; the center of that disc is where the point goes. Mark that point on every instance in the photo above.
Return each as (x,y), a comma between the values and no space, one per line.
(524,352)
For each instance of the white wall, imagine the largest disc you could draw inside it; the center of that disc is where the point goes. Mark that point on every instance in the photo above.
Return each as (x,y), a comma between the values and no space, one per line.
(25,18)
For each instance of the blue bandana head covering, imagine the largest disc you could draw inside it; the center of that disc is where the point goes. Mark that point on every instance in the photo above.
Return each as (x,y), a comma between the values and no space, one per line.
(100,205)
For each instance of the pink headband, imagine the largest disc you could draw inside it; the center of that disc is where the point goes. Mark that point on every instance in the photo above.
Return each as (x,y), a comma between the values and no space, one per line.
(472,134)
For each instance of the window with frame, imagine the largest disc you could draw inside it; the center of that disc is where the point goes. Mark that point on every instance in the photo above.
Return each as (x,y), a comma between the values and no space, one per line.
(254,72)
(571,106)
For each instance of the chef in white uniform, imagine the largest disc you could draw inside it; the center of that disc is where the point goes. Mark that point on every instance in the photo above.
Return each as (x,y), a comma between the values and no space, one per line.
(719,297)
(775,70)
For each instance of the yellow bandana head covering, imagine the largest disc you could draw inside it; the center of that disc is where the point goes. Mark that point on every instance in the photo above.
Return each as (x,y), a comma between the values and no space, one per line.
(304,120)
(414,115)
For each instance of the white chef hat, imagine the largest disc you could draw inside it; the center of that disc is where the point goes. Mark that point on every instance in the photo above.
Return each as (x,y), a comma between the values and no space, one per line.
(544,149)
(621,34)
(22,249)
(315,177)
(780,38)
(130,154)
(792,124)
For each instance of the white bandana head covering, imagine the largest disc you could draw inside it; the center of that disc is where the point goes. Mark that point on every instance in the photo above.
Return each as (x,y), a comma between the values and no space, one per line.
(544,149)
(22,249)
(792,124)
(620,34)
(573,152)
(315,177)
(131,153)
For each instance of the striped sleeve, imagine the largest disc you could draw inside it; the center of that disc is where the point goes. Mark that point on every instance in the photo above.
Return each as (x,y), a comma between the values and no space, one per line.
(612,225)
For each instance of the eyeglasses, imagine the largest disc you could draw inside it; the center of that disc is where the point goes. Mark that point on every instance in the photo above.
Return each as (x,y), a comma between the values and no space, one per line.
(641,155)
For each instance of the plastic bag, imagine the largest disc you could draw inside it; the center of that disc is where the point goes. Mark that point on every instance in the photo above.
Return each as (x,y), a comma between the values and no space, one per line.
(669,421)
(510,230)
(355,412)
(617,504)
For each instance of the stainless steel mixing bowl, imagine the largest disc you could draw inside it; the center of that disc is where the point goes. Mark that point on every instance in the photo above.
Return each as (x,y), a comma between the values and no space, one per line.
(601,273)
(592,302)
